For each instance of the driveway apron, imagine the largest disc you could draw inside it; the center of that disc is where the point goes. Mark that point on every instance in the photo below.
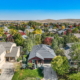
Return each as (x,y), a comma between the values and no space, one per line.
(49,73)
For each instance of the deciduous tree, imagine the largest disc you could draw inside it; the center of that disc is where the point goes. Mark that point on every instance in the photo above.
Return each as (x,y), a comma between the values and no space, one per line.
(60,65)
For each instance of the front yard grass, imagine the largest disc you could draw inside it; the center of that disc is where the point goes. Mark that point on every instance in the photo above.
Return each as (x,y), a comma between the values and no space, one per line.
(75,76)
(27,74)
(72,76)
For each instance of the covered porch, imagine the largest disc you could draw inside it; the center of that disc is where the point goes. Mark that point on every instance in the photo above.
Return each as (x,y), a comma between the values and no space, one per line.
(9,59)
(40,62)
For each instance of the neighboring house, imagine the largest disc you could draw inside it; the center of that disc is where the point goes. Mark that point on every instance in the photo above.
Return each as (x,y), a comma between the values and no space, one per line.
(77,35)
(6,29)
(9,38)
(30,30)
(67,54)
(50,26)
(52,30)
(64,31)
(67,50)
(12,51)
(61,31)
(23,34)
(41,54)
(28,27)
(2,55)
(20,31)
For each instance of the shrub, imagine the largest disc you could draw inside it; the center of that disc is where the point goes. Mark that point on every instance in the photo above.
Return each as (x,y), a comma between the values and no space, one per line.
(20,58)
(74,76)
(30,65)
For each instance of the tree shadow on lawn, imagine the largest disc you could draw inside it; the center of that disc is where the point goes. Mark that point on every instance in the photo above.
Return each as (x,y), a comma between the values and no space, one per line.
(40,72)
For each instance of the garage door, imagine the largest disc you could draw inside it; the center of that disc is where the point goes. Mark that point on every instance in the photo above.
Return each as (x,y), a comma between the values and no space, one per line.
(47,61)
(7,58)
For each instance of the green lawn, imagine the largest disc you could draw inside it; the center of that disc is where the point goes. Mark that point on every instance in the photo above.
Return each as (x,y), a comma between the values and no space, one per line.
(27,74)
(75,76)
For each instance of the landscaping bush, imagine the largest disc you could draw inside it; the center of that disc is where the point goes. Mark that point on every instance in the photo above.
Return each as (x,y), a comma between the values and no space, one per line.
(17,67)
(20,58)
(30,65)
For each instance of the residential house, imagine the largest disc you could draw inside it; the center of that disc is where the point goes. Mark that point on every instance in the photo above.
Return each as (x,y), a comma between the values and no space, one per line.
(23,34)
(6,29)
(41,54)
(67,54)
(2,55)
(67,50)
(12,51)
(61,31)
(52,30)
(28,27)
(30,30)
(77,35)
(9,38)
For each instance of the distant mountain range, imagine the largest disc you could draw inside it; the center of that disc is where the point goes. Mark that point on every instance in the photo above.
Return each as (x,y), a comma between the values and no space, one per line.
(59,21)
(46,21)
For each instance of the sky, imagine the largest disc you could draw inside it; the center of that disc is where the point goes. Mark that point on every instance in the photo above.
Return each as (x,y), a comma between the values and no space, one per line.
(39,9)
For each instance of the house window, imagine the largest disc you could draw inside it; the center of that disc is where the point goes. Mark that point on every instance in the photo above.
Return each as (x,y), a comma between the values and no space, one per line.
(72,63)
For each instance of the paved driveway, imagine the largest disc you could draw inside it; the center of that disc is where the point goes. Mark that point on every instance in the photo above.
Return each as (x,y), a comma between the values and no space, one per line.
(49,73)
(7,71)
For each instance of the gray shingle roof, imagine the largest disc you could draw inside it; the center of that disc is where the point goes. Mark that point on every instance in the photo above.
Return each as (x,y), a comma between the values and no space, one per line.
(7,45)
(61,31)
(13,52)
(69,44)
(2,49)
(42,51)
(66,53)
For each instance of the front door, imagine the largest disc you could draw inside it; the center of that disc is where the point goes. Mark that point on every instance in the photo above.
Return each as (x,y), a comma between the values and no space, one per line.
(34,61)
(7,58)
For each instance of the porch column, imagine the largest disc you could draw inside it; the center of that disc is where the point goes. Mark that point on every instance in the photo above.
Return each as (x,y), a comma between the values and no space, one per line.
(42,61)
(9,59)
(36,61)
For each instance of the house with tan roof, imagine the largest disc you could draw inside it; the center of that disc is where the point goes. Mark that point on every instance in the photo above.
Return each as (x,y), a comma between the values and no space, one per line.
(12,51)
(2,55)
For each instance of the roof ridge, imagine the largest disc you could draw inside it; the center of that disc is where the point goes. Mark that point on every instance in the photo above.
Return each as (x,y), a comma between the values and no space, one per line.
(39,55)
(38,49)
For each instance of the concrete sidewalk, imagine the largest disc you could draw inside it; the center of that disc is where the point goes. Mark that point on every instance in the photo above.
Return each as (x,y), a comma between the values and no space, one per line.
(7,71)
